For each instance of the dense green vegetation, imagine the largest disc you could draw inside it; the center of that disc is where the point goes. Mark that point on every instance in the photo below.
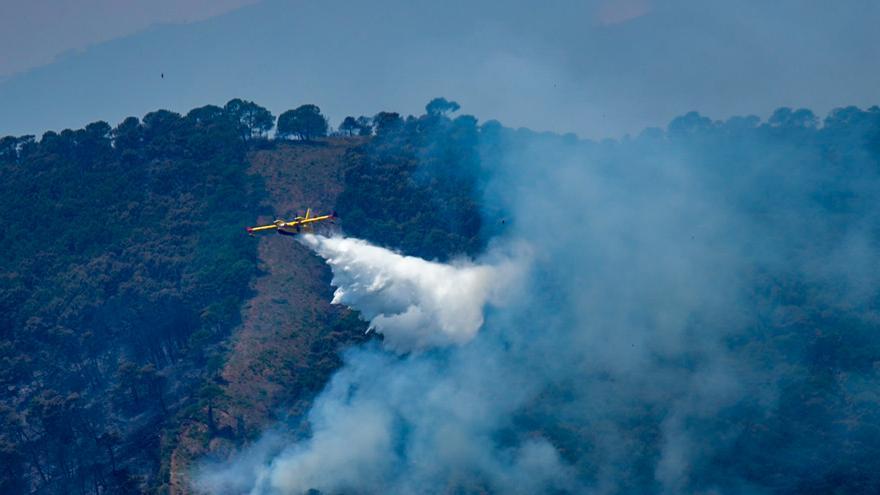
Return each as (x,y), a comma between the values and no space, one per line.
(304,122)
(123,266)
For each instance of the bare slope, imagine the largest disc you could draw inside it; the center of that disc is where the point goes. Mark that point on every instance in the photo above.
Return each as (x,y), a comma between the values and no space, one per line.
(290,336)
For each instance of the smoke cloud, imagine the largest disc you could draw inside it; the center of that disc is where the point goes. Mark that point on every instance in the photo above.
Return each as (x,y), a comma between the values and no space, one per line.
(413,302)
(695,316)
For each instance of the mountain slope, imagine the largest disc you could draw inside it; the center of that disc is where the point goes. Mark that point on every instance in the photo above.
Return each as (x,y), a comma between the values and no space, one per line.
(290,336)
(141,328)
(120,277)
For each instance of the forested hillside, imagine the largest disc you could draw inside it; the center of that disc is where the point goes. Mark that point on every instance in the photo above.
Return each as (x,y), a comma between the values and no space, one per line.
(141,329)
(125,269)
(122,271)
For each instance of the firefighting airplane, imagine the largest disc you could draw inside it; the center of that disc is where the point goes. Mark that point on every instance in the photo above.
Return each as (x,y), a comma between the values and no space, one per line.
(294,226)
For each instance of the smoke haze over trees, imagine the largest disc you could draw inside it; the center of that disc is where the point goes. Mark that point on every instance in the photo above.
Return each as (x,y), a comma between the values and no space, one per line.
(699,314)
(700,318)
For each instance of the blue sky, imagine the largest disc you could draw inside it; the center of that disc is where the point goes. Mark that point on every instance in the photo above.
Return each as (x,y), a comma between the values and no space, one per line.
(599,68)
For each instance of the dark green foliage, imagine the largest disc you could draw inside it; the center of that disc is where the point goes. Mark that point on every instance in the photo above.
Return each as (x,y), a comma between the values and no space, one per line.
(305,123)
(349,126)
(441,106)
(365,126)
(250,119)
(788,118)
(387,122)
(120,245)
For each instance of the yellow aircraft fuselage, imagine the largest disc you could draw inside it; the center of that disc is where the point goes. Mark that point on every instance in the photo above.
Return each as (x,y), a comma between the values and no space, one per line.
(297,225)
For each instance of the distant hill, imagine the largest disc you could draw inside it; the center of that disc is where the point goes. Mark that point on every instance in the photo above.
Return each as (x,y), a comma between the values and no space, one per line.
(597,68)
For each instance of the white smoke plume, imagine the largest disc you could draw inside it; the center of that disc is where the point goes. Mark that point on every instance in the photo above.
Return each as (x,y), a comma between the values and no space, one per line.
(415,303)
(675,316)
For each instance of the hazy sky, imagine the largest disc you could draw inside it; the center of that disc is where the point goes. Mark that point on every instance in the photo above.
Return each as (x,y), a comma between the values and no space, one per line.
(596,67)
(33,32)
